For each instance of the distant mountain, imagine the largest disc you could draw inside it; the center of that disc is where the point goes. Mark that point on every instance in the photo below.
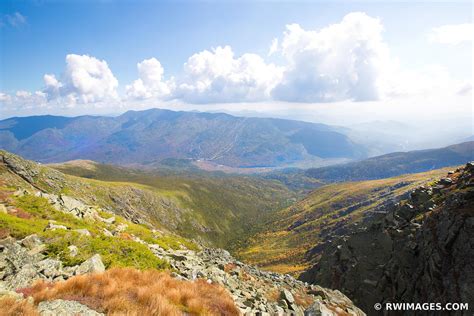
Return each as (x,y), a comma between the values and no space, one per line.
(147,137)
(395,164)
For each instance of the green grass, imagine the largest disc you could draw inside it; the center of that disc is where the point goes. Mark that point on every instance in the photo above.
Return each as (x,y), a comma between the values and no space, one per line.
(220,209)
(115,251)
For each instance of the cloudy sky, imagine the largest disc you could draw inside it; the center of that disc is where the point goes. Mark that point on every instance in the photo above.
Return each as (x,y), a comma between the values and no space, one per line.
(340,62)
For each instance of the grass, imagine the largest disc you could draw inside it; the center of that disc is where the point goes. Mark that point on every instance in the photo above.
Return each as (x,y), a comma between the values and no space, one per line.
(285,239)
(220,209)
(13,307)
(31,214)
(133,292)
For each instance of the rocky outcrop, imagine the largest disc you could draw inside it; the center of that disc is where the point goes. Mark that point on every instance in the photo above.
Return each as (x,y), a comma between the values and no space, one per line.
(22,262)
(254,291)
(420,250)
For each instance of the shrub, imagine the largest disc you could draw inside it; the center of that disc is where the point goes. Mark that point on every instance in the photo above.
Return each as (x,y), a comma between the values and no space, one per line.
(115,252)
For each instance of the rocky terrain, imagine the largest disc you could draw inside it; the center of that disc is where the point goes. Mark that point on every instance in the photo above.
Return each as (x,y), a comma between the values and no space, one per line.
(419,250)
(254,291)
(56,238)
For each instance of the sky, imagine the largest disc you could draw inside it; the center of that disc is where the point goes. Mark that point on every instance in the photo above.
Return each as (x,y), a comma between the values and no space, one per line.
(337,62)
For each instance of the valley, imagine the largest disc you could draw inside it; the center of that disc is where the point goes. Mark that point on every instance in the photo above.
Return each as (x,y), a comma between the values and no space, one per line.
(276,226)
(294,238)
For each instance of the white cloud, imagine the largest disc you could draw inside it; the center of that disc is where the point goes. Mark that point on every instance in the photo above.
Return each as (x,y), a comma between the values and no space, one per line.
(4,97)
(16,19)
(339,62)
(343,62)
(150,82)
(86,80)
(431,80)
(452,34)
(273,47)
(218,76)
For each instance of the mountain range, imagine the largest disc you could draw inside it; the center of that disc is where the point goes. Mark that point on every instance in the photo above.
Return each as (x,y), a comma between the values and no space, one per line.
(147,137)
(395,164)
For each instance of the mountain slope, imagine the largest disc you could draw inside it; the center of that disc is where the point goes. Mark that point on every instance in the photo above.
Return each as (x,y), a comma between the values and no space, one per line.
(292,239)
(419,250)
(146,137)
(66,249)
(213,209)
(395,164)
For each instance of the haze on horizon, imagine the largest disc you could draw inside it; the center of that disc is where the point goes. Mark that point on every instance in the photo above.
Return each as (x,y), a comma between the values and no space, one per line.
(343,63)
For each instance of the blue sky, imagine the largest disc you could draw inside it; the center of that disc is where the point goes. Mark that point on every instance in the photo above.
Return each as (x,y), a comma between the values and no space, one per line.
(36,37)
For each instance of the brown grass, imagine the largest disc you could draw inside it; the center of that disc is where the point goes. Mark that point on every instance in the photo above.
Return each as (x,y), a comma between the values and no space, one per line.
(4,232)
(128,291)
(18,212)
(13,307)
(228,267)
(273,295)
(302,298)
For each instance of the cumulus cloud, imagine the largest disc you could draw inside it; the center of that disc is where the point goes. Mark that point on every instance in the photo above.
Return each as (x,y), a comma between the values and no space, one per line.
(86,79)
(219,76)
(452,34)
(273,47)
(343,62)
(339,62)
(150,82)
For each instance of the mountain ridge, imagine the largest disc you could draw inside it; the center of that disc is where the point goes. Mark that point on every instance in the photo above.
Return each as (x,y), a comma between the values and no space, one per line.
(144,137)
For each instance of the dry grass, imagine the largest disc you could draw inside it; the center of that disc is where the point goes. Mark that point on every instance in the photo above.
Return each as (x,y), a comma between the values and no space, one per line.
(12,307)
(133,292)
(228,267)
(18,212)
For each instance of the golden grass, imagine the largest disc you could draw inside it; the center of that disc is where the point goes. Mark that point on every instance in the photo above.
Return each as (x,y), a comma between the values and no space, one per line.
(126,291)
(12,307)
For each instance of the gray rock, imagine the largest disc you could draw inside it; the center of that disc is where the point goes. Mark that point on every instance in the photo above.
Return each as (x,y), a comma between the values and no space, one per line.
(287,296)
(83,232)
(65,308)
(91,265)
(53,226)
(23,278)
(31,241)
(49,267)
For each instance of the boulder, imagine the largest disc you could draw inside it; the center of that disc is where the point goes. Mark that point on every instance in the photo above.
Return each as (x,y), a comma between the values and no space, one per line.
(50,268)
(53,226)
(65,308)
(91,265)
(31,241)
(287,296)
(83,232)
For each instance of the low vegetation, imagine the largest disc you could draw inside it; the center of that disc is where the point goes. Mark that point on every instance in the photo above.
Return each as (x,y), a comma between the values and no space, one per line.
(30,214)
(289,238)
(215,208)
(131,292)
